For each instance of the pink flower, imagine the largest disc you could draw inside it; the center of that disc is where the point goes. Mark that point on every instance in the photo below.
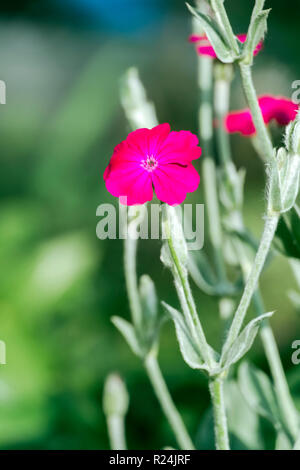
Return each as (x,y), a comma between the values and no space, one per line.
(154,158)
(277,108)
(204,47)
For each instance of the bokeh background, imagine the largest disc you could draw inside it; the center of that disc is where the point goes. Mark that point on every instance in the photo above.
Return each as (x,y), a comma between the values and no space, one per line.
(62,61)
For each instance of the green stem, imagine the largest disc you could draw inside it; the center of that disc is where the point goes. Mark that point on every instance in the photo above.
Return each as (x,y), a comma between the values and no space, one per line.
(152,367)
(285,401)
(223,77)
(220,12)
(220,420)
(185,294)
(142,114)
(116,432)
(130,248)
(166,402)
(250,93)
(271,222)
(289,412)
(269,343)
(205,116)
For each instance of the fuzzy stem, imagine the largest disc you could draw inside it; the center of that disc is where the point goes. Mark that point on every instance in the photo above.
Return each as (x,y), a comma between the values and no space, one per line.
(141,113)
(250,93)
(188,299)
(269,343)
(116,432)
(285,401)
(205,78)
(251,284)
(166,402)
(220,12)
(151,364)
(220,420)
(246,75)
(130,248)
(223,77)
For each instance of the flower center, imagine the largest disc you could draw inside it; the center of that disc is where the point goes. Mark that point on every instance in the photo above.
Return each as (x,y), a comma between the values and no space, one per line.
(150,163)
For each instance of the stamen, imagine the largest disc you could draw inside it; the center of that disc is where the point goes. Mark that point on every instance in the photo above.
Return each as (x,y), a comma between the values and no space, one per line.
(150,163)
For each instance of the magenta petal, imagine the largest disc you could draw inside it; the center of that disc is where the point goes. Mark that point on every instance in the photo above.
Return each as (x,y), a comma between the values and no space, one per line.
(204,47)
(279,108)
(206,50)
(149,155)
(258,48)
(267,104)
(240,121)
(179,147)
(157,137)
(172,182)
(282,110)
(242,38)
(196,38)
(285,112)
(130,180)
(138,141)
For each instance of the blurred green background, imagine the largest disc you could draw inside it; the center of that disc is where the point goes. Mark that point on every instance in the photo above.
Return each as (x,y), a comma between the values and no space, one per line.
(59,285)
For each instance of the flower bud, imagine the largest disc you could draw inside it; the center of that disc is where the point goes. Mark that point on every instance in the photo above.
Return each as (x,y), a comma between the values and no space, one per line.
(284,181)
(172,229)
(292,136)
(148,299)
(115,396)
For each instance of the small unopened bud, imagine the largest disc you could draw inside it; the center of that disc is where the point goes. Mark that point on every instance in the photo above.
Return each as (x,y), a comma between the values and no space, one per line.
(139,111)
(115,396)
(172,229)
(148,297)
(292,136)
(282,156)
(284,181)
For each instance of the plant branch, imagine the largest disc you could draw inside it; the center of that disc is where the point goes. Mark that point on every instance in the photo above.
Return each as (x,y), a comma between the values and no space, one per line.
(130,248)
(205,117)
(185,293)
(271,222)
(220,420)
(166,402)
(116,432)
(220,12)
(285,401)
(251,97)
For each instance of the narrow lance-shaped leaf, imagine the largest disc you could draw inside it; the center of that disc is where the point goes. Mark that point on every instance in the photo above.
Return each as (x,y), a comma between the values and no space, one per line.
(139,111)
(256,32)
(259,392)
(148,299)
(291,183)
(259,4)
(187,347)
(243,342)
(127,330)
(238,413)
(274,189)
(215,36)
